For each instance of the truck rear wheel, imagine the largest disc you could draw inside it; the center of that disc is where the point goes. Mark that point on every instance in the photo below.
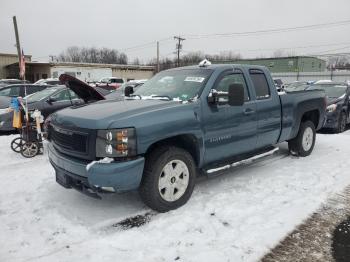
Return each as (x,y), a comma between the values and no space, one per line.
(168,179)
(304,142)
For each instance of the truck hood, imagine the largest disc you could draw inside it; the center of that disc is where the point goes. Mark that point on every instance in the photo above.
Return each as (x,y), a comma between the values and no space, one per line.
(109,113)
(83,90)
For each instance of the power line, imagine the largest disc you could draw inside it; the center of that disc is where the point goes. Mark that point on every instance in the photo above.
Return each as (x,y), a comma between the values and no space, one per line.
(332,50)
(145,45)
(280,48)
(272,30)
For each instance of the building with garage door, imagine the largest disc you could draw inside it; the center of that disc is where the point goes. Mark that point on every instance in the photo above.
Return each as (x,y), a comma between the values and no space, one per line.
(88,72)
(7,59)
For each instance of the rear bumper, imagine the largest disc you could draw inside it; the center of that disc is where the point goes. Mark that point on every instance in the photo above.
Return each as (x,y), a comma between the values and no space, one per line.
(99,177)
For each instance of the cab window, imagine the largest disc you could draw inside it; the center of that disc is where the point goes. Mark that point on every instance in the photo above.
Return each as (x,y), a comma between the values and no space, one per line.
(261,86)
(236,78)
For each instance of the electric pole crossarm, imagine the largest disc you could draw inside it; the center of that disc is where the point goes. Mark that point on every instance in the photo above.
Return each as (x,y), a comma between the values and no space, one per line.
(178,47)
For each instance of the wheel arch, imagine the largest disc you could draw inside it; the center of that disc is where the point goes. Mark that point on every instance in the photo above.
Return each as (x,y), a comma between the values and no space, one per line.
(188,142)
(313,116)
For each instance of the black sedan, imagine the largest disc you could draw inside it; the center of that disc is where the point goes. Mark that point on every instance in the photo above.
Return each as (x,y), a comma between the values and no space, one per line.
(338,105)
(17,90)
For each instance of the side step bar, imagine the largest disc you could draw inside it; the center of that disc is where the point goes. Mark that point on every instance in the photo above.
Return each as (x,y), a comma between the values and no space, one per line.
(241,162)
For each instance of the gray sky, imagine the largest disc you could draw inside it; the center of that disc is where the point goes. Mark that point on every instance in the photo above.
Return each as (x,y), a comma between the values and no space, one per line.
(48,27)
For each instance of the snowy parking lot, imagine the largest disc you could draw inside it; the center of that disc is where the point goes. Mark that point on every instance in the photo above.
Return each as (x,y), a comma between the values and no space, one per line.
(237,216)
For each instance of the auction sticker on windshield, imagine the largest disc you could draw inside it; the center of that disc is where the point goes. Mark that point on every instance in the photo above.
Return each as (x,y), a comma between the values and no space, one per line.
(194,79)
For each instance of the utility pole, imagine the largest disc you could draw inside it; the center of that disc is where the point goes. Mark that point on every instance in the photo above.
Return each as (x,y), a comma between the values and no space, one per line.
(158,57)
(17,41)
(178,47)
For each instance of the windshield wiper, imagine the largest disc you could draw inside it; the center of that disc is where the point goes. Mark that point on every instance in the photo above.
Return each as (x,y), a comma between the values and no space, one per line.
(133,96)
(161,97)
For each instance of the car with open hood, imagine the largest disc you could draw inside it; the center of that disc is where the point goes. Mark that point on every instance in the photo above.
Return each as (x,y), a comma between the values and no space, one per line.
(54,98)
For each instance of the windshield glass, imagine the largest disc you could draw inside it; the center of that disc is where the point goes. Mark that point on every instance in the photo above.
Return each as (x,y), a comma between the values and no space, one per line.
(182,84)
(332,90)
(41,94)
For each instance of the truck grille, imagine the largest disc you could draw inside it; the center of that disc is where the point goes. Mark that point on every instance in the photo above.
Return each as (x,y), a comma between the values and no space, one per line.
(69,140)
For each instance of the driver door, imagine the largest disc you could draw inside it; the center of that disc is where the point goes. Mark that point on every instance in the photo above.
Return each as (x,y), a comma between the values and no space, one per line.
(229,130)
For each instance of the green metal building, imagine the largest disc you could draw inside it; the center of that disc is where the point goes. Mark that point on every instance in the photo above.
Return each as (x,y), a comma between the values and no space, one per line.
(287,64)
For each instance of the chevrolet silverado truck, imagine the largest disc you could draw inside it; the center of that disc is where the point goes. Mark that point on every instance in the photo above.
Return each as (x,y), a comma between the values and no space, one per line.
(176,126)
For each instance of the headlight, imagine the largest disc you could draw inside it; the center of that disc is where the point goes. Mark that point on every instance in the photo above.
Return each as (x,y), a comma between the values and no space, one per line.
(331,108)
(116,143)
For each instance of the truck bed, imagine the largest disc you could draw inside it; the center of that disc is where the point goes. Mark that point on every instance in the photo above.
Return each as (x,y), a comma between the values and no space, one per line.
(294,105)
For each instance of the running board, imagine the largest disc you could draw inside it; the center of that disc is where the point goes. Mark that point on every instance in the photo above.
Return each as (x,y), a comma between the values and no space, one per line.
(241,162)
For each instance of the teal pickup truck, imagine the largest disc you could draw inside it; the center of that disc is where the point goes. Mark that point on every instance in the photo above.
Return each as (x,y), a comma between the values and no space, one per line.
(179,124)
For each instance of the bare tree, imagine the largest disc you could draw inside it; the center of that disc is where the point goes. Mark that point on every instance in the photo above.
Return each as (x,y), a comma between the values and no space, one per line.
(92,55)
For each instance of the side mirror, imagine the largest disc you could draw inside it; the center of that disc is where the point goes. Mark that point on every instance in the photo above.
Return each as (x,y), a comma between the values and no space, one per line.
(128,90)
(236,95)
(51,100)
(213,97)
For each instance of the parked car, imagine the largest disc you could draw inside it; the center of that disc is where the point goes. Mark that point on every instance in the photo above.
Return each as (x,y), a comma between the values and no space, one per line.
(178,123)
(338,104)
(7,92)
(6,82)
(48,81)
(297,86)
(110,82)
(53,99)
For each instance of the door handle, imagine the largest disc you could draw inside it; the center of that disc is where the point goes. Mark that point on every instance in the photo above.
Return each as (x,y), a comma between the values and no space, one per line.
(248,111)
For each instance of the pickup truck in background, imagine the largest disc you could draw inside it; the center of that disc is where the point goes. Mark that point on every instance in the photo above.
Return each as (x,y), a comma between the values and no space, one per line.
(177,125)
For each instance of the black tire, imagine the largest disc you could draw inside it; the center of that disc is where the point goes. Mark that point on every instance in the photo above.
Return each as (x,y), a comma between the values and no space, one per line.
(341,123)
(16,144)
(154,168)
(30,149)
(296,146)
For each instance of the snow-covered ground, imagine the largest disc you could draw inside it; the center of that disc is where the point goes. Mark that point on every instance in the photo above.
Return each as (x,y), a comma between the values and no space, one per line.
(237,216)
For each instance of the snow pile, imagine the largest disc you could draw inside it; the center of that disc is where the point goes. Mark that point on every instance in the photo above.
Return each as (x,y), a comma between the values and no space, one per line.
(105,160)
(237,216)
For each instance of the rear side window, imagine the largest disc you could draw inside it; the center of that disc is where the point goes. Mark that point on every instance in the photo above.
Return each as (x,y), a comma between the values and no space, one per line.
(15,91)
(261,86)
(33,89)
(117,80)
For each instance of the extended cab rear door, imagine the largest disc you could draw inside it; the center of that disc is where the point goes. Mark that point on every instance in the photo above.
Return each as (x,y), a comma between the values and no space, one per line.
(268,108)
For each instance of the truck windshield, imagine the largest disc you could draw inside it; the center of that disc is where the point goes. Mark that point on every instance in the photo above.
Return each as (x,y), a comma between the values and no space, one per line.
(182,84)
(333,91)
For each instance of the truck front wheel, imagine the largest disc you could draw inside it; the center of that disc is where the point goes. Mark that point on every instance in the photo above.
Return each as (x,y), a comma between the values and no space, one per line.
(168,179)
(304,142)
